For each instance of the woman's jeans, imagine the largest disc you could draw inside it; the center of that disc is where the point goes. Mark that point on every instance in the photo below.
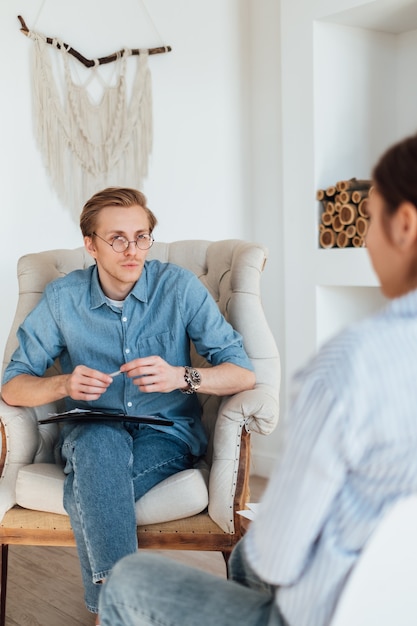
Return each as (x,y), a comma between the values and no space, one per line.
(147,589)
(109,466)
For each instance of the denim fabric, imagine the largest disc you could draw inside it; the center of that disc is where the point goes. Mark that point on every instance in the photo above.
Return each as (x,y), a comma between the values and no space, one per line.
(147,590)
(168,308)
(109,466)
(241,572)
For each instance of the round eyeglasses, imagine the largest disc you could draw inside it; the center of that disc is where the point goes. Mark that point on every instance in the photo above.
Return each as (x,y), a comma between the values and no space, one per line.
(121,244)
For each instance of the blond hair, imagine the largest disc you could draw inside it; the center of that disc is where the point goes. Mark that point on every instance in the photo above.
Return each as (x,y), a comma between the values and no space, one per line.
(112,196)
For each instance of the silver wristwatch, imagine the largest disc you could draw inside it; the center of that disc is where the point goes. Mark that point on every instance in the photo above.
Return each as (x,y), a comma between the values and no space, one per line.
(193,379)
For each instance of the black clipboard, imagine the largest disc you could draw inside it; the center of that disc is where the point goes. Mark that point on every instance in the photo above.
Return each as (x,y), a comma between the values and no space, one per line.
(88,416)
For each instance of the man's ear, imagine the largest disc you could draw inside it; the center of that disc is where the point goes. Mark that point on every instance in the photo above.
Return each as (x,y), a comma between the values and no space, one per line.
(89,246)
(404,226)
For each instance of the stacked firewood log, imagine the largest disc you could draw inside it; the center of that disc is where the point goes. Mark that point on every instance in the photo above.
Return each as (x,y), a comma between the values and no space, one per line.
(344,218)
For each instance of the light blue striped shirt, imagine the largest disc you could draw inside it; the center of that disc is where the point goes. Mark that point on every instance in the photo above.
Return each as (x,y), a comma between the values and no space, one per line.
(348,450)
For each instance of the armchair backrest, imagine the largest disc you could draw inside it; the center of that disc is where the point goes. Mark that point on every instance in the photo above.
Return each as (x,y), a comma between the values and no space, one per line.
(230,269)
(34,272)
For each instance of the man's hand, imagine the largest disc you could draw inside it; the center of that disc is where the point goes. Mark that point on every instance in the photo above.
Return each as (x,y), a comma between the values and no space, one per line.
(83,384)
(87,384)
(154,374)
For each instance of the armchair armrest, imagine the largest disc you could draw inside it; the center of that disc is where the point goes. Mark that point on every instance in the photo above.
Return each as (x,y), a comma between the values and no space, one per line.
(255,410)
(19,441)
(258,407)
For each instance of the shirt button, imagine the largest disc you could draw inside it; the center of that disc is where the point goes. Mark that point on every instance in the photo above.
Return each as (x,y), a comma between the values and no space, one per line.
(129,404)
(127,350)
(124,319)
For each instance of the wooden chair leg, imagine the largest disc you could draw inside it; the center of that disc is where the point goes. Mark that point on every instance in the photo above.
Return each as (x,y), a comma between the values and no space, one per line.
(3,587)
(226,556)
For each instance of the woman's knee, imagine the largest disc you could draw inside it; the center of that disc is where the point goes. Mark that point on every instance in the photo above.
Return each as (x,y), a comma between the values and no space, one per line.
(241,571)
(131,578)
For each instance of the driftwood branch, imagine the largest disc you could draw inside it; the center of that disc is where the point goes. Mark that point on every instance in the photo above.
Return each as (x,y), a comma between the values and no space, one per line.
(91,62)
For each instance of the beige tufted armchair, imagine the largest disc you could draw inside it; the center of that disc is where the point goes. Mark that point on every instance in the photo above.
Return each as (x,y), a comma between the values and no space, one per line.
(195,509)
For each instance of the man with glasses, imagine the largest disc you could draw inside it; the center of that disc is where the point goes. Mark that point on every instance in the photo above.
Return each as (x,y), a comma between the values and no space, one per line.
(122,331)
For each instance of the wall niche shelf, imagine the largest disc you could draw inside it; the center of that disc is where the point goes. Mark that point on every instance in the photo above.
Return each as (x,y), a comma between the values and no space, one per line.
(344,267)
(355,94)
(389,16)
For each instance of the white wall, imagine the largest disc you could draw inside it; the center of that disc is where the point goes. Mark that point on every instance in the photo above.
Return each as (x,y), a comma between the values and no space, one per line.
(354,111)
(265,166)
(406,107)
(215,167)
(347,94)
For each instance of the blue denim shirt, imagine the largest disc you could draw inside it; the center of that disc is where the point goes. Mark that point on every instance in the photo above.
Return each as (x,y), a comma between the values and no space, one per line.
(167,308)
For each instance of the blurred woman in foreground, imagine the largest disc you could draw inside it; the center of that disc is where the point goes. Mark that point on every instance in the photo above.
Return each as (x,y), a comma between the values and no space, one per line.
(347,454)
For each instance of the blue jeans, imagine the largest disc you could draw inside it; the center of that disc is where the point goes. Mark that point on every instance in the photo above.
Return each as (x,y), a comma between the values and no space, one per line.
(109,466)
(147,589)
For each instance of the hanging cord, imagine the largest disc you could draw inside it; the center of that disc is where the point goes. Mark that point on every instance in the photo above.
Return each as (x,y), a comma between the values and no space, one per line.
(143,3)
(39,12)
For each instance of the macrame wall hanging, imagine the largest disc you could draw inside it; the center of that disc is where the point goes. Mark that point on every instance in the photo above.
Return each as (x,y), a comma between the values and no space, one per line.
(87,146)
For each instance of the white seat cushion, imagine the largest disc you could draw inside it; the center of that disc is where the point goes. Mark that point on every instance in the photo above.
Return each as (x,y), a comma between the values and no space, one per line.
(40,487)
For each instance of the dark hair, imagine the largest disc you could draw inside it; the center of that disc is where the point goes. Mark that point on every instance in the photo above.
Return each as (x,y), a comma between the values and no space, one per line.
(395,174)
(112,196)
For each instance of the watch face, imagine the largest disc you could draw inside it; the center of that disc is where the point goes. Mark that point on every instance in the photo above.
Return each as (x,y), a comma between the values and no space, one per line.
(193,380)
(195,376)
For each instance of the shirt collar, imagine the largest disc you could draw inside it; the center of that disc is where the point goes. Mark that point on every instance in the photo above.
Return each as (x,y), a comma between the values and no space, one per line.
(139,291)
(406,305)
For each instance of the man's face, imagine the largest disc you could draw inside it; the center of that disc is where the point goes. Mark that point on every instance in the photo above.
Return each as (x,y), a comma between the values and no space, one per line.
(118,271)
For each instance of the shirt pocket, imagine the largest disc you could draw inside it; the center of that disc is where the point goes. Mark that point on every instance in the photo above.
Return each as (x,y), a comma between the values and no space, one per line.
(162,344)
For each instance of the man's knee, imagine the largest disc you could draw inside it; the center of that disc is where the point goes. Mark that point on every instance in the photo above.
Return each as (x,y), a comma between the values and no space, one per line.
(96,442)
